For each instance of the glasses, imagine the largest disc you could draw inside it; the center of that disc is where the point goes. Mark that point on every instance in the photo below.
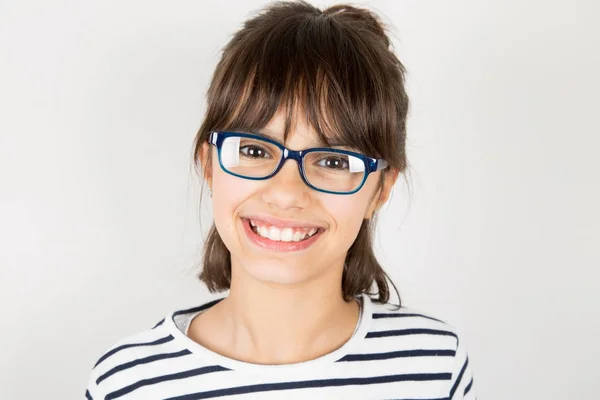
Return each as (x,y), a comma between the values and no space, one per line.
(325,169)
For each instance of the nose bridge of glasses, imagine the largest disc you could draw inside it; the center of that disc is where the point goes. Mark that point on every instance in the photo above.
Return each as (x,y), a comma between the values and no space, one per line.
(295,155)
(292,154)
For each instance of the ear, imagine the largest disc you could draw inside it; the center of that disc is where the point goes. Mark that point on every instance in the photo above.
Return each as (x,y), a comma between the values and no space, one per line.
(204,156)
(383,194)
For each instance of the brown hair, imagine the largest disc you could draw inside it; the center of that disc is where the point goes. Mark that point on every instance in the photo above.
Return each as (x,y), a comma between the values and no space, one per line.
(335,64)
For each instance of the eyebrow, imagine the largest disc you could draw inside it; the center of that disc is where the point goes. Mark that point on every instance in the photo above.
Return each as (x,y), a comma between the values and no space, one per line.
(267,133)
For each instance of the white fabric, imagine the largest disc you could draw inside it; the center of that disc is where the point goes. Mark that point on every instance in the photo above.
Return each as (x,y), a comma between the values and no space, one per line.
(394,354)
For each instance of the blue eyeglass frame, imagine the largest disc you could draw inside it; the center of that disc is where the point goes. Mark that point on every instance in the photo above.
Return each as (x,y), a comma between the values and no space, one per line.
(216,138)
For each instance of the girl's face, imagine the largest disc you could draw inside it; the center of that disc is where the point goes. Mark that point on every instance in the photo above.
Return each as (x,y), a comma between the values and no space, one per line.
(285,201)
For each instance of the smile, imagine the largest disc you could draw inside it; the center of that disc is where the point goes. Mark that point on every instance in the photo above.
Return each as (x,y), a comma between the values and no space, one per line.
(280,238)
(281,234)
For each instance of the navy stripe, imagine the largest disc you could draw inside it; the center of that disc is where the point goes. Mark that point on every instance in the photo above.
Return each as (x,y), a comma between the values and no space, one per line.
(166,339)
(459,378)
(311,384)
(398,354)
(399,315)
(88,396)
(468,388)
(159,323)
(164,378)
(196,309)
(140,361)
(404,332)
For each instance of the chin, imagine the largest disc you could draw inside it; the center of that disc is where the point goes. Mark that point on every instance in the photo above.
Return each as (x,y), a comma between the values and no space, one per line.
(279,273)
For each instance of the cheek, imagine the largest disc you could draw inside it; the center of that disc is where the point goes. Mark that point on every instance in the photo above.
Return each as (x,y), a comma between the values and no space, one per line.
(348,213)
(228,193)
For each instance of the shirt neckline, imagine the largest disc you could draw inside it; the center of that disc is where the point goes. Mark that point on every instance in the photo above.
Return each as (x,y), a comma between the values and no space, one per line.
(211,357)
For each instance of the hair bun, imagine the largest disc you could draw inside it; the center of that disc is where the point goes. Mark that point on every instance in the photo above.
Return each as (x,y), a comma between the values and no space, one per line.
(359,16)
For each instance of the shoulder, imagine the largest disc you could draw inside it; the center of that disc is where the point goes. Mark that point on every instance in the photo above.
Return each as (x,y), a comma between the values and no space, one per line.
(414,333)
(146,341)
(127,352)
(154,351)
(158,350)
(157,338)
(152,338)
(419,327)
(407,317)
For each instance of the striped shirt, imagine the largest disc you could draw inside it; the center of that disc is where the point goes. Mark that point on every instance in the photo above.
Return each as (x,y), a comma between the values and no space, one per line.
(393,354)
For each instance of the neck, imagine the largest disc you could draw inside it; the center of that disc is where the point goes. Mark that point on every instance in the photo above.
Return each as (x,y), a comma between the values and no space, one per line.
(281,324)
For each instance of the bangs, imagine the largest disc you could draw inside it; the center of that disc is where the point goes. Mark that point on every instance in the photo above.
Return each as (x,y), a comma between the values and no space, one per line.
(297,94)
(312,68)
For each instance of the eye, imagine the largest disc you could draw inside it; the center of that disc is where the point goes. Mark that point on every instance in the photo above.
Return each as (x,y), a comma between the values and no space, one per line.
(255,151)
(334,162)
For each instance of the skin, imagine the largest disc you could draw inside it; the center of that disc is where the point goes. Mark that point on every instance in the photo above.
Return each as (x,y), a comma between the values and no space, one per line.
(284,307)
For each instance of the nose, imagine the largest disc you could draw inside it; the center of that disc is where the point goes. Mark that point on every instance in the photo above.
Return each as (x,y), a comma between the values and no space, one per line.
(287,190)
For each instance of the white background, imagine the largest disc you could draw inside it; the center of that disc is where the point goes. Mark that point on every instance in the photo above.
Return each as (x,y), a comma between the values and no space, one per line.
(99,234)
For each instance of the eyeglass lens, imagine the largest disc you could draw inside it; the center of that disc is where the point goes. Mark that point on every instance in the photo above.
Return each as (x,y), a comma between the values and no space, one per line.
(325,170)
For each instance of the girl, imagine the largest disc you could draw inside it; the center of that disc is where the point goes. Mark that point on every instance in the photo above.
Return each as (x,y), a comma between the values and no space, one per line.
(301,144)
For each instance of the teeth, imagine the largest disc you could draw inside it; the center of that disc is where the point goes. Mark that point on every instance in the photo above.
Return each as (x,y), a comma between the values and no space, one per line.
(262,231)
(274,234)
(282,235)
(287,234)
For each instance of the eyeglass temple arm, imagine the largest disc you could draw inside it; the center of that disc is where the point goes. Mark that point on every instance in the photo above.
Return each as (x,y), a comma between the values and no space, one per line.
(381,164)
(213,137)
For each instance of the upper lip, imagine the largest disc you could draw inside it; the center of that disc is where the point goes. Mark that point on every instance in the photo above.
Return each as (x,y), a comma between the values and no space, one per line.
(283,223)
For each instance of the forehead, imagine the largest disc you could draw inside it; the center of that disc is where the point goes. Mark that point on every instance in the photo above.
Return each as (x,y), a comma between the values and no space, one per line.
(300,133)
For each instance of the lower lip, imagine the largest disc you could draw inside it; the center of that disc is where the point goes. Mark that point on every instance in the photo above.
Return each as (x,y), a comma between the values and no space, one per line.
(274,245)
